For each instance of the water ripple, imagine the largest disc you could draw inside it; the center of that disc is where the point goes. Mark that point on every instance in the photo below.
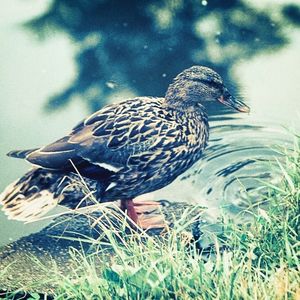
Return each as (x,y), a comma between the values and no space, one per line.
(237,160)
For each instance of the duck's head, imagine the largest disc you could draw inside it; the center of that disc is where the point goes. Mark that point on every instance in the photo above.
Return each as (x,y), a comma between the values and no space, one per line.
(198,85)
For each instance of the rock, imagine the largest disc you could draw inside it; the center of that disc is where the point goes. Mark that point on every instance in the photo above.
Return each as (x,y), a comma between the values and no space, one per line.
(25,263)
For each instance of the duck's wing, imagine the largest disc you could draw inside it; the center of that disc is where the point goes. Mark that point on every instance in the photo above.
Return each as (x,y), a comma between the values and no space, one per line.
(109,137)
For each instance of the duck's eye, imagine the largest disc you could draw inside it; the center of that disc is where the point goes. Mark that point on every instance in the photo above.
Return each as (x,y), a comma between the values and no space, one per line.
(216,85)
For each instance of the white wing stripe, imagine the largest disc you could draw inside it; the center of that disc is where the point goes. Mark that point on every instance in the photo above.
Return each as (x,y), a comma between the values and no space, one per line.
(109,167)
(112,185)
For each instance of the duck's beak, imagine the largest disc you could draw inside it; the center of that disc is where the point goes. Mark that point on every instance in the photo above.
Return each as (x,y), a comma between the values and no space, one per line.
(232,102)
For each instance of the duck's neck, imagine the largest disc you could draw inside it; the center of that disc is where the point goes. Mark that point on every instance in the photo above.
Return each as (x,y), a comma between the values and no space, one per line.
(180,102)
(183,95)
(184,113)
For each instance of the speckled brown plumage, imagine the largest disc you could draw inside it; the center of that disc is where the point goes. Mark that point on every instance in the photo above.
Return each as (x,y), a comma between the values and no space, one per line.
(129,148)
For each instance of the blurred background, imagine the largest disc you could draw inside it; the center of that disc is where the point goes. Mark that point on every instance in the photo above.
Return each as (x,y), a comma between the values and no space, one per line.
(62,59)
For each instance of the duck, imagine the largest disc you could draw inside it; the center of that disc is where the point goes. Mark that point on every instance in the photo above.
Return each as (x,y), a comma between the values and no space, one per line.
(122,151)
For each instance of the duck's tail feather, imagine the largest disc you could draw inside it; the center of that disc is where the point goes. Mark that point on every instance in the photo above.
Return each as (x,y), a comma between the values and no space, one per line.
(40,190)
(30,197)
(21,153)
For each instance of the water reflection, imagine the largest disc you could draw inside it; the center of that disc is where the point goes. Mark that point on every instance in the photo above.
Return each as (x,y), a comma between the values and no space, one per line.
(138,46)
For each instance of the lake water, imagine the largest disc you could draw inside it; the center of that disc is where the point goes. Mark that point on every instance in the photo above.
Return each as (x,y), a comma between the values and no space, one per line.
(34,69)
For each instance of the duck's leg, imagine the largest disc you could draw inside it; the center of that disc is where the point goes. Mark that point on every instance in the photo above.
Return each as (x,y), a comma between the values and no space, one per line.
(128,207)
(140,213)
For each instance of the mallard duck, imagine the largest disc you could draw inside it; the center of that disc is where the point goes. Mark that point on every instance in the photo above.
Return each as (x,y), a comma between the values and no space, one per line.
(125,149)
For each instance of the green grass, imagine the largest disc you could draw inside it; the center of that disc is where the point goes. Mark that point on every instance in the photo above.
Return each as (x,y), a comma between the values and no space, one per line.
(256,260)
(261,260)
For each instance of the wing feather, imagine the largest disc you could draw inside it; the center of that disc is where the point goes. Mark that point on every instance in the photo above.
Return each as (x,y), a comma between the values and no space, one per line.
(108,137)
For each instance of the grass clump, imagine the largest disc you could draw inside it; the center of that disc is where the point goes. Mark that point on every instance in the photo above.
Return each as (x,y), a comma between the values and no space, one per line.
(273,234)
(257,260)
